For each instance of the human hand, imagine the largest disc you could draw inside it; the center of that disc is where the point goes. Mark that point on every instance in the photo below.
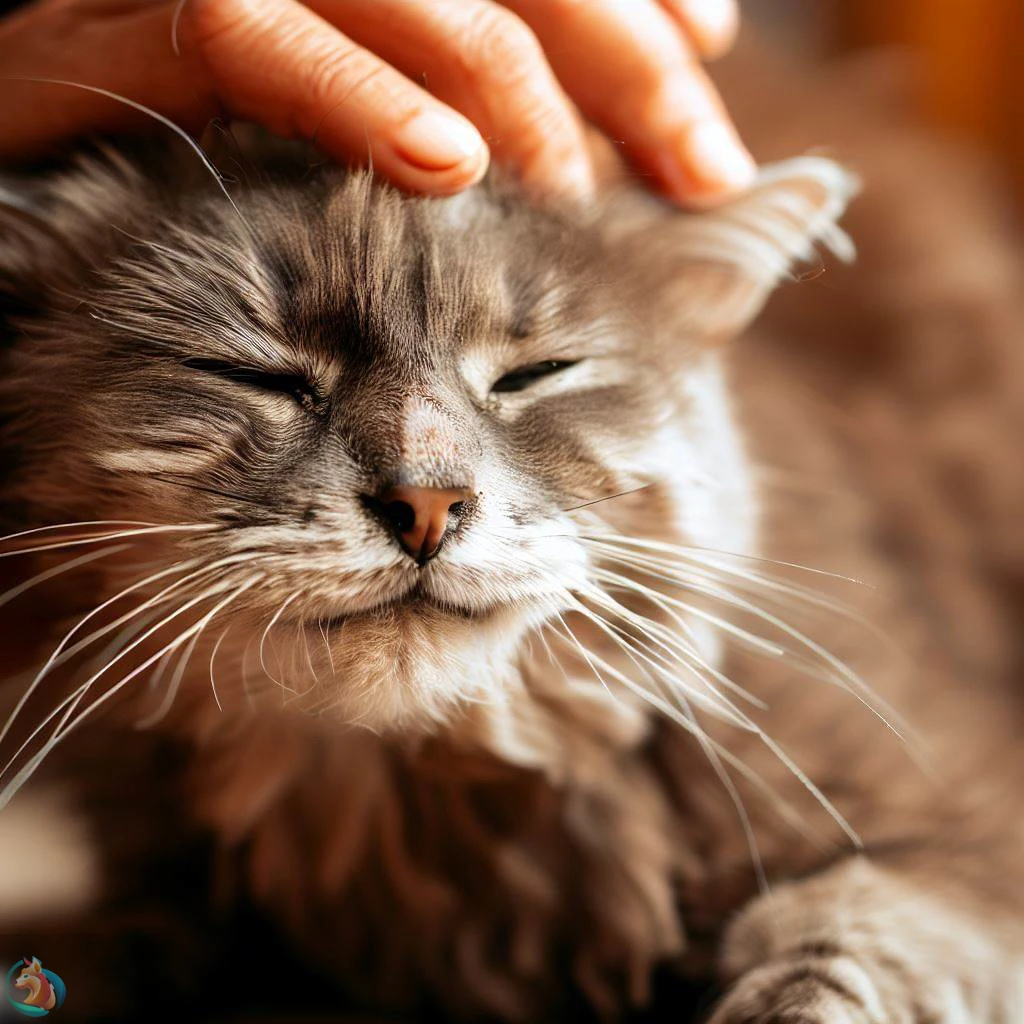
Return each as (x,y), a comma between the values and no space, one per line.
(416,86)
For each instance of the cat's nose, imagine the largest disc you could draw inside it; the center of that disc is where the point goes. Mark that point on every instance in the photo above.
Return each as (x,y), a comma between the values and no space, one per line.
(420,517)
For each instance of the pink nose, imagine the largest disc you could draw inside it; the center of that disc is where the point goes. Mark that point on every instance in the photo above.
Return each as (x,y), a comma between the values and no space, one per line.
(421,516)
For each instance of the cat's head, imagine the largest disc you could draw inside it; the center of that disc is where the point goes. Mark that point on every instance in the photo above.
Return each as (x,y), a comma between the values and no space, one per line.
(385,424)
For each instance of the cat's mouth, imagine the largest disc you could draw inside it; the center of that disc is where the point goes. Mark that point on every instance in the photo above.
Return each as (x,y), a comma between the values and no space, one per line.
(417,600)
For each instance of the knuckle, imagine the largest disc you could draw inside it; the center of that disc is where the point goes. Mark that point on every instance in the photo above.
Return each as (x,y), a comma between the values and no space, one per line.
(328,86)
(210,21)
(342,76)
(499,46)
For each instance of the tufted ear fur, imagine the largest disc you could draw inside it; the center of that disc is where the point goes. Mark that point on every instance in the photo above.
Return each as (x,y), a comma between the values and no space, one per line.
(27,243)
(715,269)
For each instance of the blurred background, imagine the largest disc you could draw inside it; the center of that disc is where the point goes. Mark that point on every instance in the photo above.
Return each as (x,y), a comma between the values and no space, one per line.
(961,61)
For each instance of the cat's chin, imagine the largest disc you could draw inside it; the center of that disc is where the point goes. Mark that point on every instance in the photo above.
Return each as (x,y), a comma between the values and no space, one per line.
(413,665)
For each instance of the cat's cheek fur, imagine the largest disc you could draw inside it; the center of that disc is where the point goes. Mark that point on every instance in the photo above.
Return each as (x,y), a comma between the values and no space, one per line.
(698,466)
(712,483)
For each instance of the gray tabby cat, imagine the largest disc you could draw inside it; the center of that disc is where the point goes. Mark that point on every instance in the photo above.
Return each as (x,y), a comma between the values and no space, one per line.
(415,574)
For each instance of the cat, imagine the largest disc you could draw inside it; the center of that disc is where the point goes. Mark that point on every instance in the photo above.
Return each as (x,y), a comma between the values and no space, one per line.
(442,585)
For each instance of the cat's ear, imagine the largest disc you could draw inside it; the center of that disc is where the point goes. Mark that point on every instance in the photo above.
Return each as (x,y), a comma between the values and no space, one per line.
(715,269)
(53,222)
(28,243)
(26,224)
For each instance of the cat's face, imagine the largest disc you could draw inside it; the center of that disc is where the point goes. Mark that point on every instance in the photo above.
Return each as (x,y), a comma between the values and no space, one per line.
(387,419)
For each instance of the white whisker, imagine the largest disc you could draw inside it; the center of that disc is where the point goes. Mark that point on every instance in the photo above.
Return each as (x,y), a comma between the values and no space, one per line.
(213,658)
(101,537)
(263,640)
(64,727)
(689,551)
(64,567)
(75,526)
(55,655)
(327,646)
(72,700)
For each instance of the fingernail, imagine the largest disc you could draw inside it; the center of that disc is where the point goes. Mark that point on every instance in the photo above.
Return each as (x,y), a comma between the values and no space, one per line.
(437,140)
(716,159)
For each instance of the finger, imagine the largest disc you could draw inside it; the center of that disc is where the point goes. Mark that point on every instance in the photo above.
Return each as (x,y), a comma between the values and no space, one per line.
(124,50)
(710,25)
(278,63)
(484,61)
(627,66)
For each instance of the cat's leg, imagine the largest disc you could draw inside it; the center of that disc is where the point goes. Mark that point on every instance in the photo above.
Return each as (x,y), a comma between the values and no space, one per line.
(865,944)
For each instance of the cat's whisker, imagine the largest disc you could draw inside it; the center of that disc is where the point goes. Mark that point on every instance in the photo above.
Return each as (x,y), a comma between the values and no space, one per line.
(759,582)
(75,697)
(607,497)
(213,658)
(688,579)
(296,693)
(246,682)
(157,599)
(65,727)
(71,701)
(59,656)
(670,664)
(74,526)
(783,807)
(690,551)
(588,657)
(179,674)
(159,672)
(701,585)
(101,537)
(623,645)
(263,640)
(664,669)
(593,659)
(212,591)
(543,637)
(172,688)
(49,574)
(843,674)
(324,632)
(750,640)
(309,657)
(798,773)
(729,785)
(160,119)
(55,656)
(134,627)
(689,652)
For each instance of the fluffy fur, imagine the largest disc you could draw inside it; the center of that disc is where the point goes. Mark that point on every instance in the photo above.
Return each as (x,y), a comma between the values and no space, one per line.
(639,710)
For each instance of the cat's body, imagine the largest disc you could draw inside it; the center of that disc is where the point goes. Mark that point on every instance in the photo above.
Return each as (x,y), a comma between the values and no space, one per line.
(530,826)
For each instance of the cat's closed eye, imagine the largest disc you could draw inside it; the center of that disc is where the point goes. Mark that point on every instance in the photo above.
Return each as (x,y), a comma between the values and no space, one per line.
(522,377)
(294,385)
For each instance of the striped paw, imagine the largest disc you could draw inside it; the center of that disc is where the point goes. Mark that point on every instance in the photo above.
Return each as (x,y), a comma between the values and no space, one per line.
(809,990)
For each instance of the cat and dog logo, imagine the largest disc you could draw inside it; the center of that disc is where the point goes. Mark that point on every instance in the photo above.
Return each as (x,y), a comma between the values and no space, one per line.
(33,990)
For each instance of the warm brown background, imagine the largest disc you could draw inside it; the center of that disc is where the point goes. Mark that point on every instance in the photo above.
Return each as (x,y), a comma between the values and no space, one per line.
(968,58)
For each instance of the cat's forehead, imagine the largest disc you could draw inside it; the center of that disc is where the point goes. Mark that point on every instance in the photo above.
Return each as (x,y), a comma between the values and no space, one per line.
(437,275)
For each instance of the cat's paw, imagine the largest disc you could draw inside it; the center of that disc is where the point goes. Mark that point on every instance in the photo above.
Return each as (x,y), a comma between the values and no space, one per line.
(811,990)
